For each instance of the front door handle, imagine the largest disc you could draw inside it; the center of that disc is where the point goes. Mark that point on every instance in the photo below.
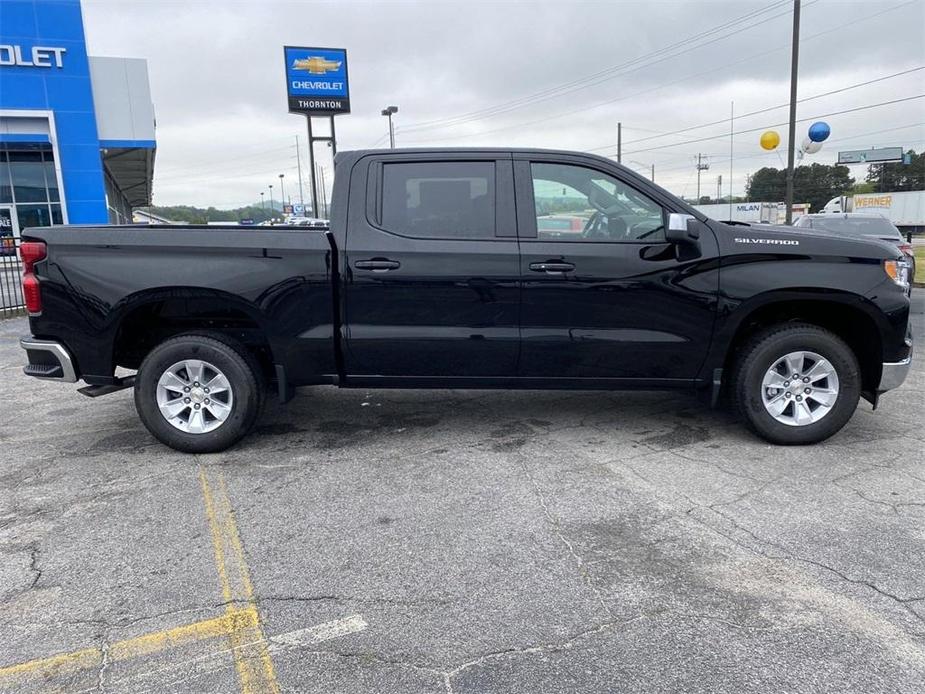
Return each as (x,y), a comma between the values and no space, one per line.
(551,267)
(377,264)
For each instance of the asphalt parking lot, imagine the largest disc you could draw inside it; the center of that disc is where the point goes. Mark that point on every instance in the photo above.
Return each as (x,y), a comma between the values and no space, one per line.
(449,541)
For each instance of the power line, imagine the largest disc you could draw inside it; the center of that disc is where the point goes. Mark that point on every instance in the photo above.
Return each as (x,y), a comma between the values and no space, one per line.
(771,108)
(216,167)
(778,125)
(234,158)
(602,75)
(686,78)
(757,155)
(213,177)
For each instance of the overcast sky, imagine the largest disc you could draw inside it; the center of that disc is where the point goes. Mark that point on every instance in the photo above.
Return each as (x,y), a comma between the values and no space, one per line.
(557,75)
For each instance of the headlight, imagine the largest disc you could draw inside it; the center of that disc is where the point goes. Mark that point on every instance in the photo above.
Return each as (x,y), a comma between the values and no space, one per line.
(899,271)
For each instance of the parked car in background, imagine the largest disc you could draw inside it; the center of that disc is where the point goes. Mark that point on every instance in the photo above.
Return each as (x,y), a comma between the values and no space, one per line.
(557,225)
(310,222)
(905,209)
(873,226)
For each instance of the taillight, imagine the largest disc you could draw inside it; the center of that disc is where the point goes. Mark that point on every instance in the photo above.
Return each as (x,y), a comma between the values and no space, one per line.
(31,252)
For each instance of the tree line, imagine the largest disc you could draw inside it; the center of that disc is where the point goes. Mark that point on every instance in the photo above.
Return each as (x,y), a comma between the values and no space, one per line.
(819,183)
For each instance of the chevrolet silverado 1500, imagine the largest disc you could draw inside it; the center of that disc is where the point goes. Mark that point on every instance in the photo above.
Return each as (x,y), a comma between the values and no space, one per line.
(442,269)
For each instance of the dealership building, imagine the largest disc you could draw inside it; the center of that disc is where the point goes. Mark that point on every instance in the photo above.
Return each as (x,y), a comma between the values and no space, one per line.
(77,138)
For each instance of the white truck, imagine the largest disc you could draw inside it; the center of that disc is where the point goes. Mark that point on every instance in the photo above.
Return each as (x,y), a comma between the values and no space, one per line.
(905,209)
(752,212)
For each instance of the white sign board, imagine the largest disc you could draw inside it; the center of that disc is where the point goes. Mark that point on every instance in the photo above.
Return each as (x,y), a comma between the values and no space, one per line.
(871,156)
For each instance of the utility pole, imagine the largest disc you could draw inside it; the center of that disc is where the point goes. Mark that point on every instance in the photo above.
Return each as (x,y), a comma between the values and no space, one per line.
(652,177)
(619,143)
(324,194)
(701,166)
(298,160)
(282,191)
(719,187)
(732,116)
(388,111)
(794,69)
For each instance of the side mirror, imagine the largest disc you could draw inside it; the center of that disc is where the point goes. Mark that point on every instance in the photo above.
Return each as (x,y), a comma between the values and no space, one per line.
(682,228)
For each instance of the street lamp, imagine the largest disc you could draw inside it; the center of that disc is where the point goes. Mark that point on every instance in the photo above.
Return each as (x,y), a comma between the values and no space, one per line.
(388,111)
(271,200)
(261,199)
(282,191)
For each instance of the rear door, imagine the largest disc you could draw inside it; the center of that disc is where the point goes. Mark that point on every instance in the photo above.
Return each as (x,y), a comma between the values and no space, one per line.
(606,296)
(431,274)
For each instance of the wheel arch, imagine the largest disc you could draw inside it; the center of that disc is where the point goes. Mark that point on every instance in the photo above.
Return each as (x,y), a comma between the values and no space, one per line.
(850,316)
(145,319)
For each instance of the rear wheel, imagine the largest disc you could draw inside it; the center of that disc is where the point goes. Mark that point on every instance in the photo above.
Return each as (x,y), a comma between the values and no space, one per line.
(198,393)
(796,384)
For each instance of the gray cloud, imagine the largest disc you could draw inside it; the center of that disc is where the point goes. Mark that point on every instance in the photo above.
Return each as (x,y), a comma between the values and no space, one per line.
(224,134)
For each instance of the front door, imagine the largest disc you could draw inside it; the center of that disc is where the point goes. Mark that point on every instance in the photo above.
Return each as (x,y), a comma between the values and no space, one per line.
(431,274)
(604,295)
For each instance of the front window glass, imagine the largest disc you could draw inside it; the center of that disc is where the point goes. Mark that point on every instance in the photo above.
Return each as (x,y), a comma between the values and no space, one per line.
(575,203)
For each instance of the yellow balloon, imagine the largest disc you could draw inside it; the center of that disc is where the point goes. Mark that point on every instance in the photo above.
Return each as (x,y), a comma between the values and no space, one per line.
(769,140)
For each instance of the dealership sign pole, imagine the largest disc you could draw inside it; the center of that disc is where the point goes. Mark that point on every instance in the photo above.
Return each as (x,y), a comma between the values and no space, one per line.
(317,85)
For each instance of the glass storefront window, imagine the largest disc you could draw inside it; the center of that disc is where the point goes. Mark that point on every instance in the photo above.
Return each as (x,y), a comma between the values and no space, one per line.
(28,180)
(6,190)
(28,173)
(33,216)
(51,180)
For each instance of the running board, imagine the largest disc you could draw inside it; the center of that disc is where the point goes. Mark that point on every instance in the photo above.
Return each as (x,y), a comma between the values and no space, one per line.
(97,391)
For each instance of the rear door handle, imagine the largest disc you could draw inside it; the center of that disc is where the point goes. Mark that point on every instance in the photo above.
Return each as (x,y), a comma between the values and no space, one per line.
(552,267)
(377,264)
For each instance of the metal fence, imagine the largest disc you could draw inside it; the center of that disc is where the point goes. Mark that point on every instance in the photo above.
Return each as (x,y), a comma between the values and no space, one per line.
(11,301)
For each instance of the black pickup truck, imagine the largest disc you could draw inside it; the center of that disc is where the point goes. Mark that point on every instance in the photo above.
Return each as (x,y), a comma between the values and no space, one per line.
(476,268)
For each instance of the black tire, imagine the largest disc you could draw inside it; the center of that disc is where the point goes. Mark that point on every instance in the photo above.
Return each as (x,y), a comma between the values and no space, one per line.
(238,366)
(761,353)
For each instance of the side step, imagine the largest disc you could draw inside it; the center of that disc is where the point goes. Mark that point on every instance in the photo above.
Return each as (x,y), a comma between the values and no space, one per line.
(97,391)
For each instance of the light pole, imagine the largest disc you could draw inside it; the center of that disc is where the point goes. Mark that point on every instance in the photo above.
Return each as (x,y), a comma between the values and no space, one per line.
(282,191)
(388,111)
(792,126)
(261,199)
(271,200)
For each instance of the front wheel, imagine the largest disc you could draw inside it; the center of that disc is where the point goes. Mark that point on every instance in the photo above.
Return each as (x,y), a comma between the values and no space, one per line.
(198,394)
(797,384)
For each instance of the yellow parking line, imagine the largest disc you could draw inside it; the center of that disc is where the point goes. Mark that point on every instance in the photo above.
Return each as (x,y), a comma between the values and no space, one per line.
(248,643)
(133,647)
(240,624)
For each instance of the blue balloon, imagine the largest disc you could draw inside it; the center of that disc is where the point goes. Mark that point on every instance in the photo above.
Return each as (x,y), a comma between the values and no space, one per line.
(819,131)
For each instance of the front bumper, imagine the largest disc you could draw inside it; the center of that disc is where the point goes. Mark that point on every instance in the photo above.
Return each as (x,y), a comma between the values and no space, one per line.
(894,373)
(49,360)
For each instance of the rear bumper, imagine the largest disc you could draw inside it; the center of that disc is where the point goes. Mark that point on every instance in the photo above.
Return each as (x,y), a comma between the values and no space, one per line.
(48,360)
(894,373)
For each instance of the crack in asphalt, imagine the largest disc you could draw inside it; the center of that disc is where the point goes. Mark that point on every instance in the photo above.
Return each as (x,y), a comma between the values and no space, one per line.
(557,529)
(539,648)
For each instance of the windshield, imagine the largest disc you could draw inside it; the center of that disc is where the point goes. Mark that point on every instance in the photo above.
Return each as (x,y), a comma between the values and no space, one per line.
(854,226)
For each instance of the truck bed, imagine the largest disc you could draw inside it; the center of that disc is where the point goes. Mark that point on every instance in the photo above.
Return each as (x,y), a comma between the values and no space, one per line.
(276,281)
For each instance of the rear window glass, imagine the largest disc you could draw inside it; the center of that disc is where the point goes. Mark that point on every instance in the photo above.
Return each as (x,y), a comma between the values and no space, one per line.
(439,200)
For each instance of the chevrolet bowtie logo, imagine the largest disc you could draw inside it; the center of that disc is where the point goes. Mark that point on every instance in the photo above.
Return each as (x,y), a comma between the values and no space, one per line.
(316,65)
